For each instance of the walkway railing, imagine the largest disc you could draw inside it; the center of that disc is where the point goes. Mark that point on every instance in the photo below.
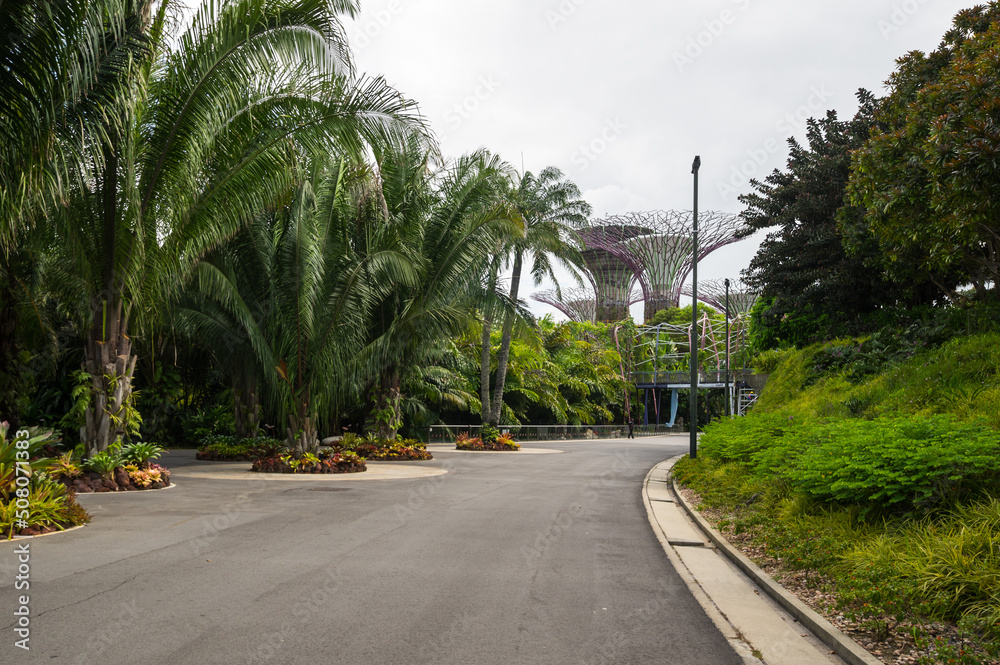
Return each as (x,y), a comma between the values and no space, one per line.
(665,377)
(447,433)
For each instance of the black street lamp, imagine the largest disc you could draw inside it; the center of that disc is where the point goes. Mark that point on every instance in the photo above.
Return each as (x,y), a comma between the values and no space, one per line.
(693,414)
(729,401)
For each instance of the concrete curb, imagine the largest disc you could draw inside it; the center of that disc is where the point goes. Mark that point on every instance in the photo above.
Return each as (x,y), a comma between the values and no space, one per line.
(846,648)
(739,644)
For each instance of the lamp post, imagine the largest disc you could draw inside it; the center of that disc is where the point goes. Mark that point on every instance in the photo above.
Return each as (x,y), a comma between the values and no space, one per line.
(693,402)
(729,400)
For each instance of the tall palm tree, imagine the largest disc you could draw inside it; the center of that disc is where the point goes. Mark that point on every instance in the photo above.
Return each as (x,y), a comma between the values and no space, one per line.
(201,145)
(450,224)
(550,207)
(63,63)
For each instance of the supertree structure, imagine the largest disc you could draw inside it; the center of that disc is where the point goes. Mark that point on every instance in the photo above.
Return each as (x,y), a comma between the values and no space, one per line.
(581,304)
(577,304)
(611,276)
(657,247)
(713,292)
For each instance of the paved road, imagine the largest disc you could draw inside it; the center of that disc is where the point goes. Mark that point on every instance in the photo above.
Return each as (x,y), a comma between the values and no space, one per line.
(509,559)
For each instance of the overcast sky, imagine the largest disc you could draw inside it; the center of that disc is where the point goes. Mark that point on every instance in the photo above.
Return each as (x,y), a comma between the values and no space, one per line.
(621,95)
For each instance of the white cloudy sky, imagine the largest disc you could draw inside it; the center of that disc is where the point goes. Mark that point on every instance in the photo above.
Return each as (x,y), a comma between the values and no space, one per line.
(621,95)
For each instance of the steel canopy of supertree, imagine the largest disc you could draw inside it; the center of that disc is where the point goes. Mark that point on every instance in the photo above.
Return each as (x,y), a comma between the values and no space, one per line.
(580,304)
(713,292)
(577,304)
(657,247)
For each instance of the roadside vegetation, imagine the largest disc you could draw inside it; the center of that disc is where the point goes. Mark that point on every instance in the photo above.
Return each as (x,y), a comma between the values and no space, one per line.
(867,477)
(870,473)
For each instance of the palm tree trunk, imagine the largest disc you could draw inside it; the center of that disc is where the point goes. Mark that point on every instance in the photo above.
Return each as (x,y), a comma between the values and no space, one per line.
(246,408)
(108,355)
(388,403)
(484,358)
(110,364)
(504,353)
(301,433)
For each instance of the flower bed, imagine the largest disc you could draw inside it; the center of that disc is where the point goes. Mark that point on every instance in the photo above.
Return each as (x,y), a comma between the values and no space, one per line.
(376,449)
(504,442)
(331,462)
(117,469)
(128,478)
(42,503)
(226,448)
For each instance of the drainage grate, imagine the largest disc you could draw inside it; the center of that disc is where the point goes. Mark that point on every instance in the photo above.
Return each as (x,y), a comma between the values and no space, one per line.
(329,489)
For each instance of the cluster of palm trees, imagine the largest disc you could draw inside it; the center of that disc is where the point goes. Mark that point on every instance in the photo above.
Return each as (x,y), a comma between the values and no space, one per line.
(238,182)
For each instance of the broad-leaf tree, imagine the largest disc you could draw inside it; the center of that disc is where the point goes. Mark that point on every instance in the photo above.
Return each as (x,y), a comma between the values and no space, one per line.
(929,178)
(818,271)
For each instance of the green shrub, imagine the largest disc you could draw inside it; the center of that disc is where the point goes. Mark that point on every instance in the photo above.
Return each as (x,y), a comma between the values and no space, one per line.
(895,464)
(105,462)
(226,447)
(140,453)
(30,448)
(901,464)
(767,361)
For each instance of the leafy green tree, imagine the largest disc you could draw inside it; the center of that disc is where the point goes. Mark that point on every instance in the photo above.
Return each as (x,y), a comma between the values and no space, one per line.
(818,272)
(199,147)
(551,208)
(928,179)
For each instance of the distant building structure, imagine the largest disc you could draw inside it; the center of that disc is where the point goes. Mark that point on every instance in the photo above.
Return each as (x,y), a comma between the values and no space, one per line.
(654,249)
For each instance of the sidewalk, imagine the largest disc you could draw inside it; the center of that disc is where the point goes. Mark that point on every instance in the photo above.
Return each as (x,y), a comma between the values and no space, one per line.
(763,622)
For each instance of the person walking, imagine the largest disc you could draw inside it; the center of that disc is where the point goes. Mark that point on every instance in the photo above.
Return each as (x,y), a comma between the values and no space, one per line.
(631,426)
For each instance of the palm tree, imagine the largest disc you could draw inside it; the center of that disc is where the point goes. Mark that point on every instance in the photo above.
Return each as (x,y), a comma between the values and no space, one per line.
(63,62)
(200,147)
(450,225)
(285,302)
(550,207)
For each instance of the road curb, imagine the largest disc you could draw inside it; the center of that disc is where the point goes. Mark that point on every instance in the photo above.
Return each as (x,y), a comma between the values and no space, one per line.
(739,644)
(830,635)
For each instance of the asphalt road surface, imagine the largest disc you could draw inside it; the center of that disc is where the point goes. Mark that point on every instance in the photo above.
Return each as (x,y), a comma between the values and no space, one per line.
(508,559)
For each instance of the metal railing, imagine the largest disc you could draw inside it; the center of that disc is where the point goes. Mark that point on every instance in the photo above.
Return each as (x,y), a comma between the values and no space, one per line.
(448,433)
(684,377)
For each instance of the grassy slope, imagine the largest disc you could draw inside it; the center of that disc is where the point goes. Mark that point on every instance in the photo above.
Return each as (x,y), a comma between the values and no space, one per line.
(959,378)
(822,422)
